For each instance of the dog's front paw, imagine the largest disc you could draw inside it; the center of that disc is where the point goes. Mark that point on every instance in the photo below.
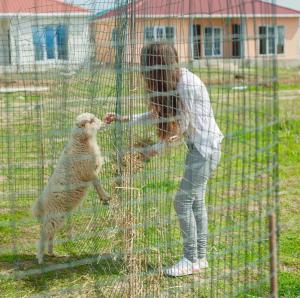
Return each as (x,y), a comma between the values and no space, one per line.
(106,200)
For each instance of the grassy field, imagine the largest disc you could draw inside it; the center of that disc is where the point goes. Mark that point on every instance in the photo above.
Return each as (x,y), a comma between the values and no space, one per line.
(119,251)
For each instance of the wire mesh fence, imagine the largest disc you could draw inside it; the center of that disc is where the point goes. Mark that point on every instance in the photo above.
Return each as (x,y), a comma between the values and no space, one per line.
(59,60)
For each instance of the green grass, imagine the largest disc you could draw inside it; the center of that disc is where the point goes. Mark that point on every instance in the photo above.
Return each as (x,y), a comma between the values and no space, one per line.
(236,196)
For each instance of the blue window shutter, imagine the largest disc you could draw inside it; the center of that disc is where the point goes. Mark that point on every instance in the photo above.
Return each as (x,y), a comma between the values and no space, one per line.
(62,42)
(49,39)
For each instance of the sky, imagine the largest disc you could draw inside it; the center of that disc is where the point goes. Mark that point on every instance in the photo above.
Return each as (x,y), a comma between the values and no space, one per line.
(295,4)
(104,4)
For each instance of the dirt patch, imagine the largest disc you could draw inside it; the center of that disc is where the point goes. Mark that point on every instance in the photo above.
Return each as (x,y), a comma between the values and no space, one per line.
(132,163)
(4,83)
(3,178)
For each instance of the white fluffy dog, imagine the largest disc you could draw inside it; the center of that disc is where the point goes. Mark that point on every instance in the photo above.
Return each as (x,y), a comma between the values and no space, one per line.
(77,167)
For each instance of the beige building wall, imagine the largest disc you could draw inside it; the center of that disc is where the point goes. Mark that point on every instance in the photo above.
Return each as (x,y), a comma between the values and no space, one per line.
(105,51)
(291,25)
(104,45)
(101,32)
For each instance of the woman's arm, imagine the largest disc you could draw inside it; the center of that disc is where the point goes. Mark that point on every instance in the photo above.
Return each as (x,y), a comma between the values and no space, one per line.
(135,118)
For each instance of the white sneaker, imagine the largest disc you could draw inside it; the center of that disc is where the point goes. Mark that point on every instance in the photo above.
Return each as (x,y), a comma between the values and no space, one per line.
(182,268)
(202,263)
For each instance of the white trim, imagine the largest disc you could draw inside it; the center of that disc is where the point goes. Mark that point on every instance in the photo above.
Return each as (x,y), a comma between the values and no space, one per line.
(55,14)
(299,37)
(191,39)
(244,33)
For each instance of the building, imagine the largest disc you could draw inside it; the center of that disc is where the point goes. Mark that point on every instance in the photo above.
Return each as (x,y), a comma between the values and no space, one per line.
(202,29)
(39,34)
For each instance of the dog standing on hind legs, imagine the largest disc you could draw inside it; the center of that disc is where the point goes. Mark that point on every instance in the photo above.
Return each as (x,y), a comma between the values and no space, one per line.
(77,167)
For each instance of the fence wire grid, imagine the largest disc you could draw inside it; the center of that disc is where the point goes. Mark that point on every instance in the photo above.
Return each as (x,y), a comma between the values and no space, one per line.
(60,59)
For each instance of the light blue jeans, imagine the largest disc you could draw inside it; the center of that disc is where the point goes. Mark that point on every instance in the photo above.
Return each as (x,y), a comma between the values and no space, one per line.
(190,202)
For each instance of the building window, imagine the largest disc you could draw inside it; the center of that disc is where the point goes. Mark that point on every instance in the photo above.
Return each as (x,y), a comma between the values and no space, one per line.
(114,38)
(212,41)
(196,41)
(271,40)
(170,33)
(149,33)
(50,42)
(159,33)
(236,40)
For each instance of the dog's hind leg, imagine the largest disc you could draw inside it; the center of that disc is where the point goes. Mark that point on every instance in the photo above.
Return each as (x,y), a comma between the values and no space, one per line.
(41,245)
(52,227)
(50,245)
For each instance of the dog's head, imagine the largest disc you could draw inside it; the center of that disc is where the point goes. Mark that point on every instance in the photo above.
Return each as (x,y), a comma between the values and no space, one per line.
(88,124)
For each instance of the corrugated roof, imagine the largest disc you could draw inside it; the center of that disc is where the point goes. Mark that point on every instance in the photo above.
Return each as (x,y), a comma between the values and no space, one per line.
(38,6)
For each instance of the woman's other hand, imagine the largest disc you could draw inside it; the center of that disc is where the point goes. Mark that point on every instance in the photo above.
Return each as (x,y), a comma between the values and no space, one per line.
(111,117)
(174,138)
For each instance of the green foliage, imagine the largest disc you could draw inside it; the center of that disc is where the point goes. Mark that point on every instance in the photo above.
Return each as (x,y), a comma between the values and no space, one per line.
(159,223)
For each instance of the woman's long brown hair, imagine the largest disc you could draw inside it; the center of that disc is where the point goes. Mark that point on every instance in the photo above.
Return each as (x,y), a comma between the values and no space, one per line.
(159,62)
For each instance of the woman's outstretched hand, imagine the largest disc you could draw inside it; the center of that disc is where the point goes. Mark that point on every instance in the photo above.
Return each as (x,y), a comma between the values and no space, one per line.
(111,117)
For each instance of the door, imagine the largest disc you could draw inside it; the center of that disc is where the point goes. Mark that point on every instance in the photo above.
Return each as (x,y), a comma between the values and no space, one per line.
(236,41)
(196,41)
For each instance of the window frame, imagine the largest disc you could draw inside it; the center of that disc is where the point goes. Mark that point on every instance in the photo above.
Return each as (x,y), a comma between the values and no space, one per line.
(267,40)
(164,33)
(41,29)
(213,41)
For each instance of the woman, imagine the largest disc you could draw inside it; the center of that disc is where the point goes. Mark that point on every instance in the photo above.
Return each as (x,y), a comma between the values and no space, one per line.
(180,102)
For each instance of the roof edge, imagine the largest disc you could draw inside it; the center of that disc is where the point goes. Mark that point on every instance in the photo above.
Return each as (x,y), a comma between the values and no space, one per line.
(44,14)
(290,12)
(208,16)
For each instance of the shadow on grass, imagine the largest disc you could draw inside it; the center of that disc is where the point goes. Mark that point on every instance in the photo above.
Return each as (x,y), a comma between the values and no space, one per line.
(58,270)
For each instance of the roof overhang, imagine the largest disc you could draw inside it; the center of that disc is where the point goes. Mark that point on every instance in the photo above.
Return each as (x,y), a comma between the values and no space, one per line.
(221,16)
(207,16)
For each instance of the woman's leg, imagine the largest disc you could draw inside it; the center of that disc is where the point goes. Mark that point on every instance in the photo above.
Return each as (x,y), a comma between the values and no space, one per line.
(206,166)
(183,207)
(200,214)
(184,201)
